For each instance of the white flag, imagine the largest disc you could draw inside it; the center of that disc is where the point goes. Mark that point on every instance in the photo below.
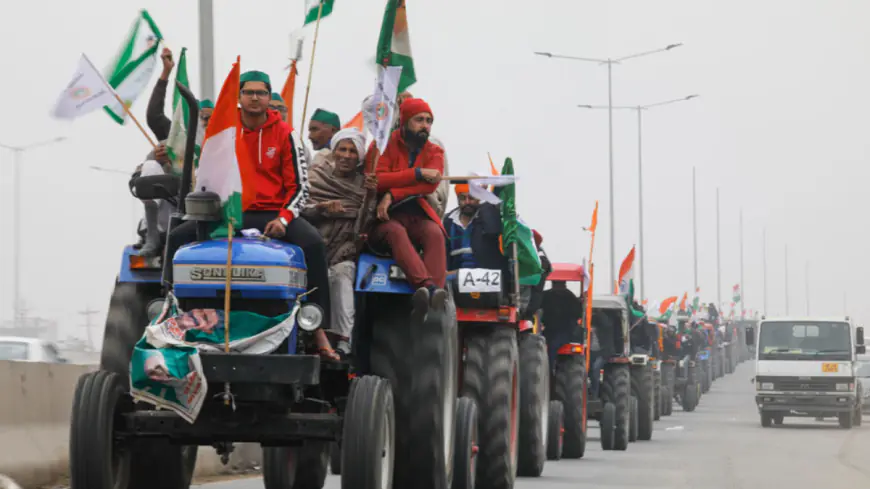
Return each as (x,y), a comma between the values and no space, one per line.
(379,109)
(88,91)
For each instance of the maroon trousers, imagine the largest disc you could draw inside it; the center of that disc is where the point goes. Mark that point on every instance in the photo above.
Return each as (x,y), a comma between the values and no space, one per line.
(405,230)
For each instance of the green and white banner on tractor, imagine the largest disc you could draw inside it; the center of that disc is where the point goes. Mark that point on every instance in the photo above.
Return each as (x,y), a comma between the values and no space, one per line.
(134,65)
(166,368)
(394,43)
(176,143)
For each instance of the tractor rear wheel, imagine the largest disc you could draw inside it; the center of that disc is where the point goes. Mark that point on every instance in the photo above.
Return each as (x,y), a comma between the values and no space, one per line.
(534,409)
(616,390)
(569,388)
(491,379)
(642,387)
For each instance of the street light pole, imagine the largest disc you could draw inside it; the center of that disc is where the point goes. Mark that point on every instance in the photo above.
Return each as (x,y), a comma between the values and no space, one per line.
(206,49)
(786,280)
(764,265)
(610,62)
(742,290)
(718,255)
(17,152)
(639,109)
(695,228)
(807,279)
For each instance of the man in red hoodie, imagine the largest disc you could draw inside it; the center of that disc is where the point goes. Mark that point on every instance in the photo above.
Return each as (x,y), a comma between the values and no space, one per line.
(408,171)
(280,186)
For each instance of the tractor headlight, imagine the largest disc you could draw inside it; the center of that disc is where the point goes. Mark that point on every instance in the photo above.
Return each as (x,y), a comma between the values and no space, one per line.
(309,317)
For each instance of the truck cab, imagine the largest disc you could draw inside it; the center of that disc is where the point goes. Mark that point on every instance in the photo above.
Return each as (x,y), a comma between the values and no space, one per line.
(808,367)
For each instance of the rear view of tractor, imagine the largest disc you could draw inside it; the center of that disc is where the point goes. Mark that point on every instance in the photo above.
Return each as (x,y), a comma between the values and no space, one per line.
(569,357)
(644,367)
(614,407)
(687,383)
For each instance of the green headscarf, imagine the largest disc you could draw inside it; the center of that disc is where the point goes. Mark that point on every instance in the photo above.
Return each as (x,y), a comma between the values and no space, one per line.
(277,96)
(255,76)
(206,104)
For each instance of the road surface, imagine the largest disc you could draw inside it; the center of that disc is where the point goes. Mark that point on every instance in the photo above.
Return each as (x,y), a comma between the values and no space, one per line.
(719,446)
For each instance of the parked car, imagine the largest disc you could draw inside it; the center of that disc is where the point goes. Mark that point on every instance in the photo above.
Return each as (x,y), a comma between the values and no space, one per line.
(21,349)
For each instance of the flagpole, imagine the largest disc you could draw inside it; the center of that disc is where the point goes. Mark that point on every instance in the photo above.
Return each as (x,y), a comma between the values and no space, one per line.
(118,98)
(695,228)
(227,292)
(311,68)
(588,312)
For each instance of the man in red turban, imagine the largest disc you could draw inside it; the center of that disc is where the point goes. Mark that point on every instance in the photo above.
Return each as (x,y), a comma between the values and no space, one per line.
(409,170)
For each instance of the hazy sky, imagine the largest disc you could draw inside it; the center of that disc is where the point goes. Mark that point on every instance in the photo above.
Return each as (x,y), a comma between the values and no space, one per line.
(781,127)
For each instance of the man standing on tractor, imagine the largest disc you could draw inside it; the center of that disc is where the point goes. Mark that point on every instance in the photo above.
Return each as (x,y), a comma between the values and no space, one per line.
(562,311)
(473,230)
(408,171)
(280,173)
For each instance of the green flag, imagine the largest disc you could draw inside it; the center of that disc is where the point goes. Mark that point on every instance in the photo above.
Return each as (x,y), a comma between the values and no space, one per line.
(517,232)
(177,140)
(394,43)
(133,66)
(312,7)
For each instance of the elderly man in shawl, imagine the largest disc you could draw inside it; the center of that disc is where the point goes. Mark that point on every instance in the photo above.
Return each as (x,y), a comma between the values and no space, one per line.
(341,206)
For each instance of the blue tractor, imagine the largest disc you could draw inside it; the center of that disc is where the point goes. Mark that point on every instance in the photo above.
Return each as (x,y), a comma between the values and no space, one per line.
(292,403)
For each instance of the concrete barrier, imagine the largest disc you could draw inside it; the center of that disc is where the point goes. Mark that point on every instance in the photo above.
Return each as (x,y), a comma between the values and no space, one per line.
(35,409)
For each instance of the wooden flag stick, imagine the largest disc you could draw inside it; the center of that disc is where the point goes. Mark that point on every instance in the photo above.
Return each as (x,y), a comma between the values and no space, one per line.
(227,292)
(310,69)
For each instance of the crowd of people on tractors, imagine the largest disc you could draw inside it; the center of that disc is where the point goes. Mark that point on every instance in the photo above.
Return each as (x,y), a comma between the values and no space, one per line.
(323,200)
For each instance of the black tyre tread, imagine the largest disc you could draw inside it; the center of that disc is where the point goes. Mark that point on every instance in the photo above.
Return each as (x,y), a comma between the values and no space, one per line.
(279,469)
(435,357)
(535,395)
(642,386)
(633,425)
(362,438)
(616,388)
(569,387)
(158,463)
(608,426)
(491,361)
(390,359)
(466,438)
(313,463)
(690,391)
(657,395)
(556,423)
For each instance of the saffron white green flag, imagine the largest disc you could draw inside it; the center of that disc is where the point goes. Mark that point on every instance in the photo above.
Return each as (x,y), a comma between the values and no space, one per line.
(134,65)
(219,163)
(394,43)
(177,140)
(86,92)
(312,7)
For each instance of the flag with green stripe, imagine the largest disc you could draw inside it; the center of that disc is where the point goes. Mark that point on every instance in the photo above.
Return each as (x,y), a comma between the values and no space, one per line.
(515,231)
(134,65)
(177,140)
(394,43)
(312,9)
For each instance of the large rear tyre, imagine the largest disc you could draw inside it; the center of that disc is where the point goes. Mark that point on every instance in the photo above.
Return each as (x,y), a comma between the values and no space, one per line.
(368,436)
(302,467)
(125,325)
(642,387)
(556,428)
(491,380)
(96,460)
(616,389)
(465,451)
(434,391)
(608,426)
(691,391)
(534,410)
(569,388)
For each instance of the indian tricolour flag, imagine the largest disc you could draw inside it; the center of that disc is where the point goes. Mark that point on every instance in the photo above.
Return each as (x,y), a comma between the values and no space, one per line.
(177,140)
(736,295)
(219,169)
(312,9)
(626,275)
(133,66)
(394,44)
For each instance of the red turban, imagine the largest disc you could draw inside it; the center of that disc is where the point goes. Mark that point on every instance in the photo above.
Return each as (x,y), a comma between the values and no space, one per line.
(411,107)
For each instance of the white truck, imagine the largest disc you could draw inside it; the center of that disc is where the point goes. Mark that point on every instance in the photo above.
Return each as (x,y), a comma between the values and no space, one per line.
(807,367)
